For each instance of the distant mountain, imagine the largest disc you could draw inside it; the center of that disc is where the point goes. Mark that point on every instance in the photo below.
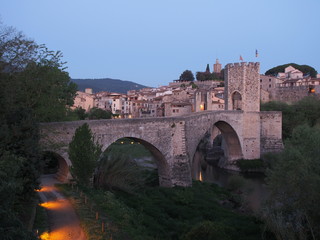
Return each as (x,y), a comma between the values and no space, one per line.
(107,84)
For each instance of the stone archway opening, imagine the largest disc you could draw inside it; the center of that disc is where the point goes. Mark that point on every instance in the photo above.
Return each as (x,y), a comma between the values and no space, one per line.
(145,155)
(236,101)
(54,163)
(218,148)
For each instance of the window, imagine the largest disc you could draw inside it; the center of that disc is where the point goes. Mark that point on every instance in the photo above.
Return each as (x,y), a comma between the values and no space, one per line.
(269,85)
(236,101)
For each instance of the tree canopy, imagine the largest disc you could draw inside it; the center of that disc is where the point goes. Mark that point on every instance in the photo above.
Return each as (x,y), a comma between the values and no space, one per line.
(98,113)
(84,153)
(303,68)
(292,211)
(33,77)
(187,75)
(34,86)
(305,111)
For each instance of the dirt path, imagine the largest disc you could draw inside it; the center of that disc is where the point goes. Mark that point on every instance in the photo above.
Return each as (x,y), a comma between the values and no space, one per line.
(64,223)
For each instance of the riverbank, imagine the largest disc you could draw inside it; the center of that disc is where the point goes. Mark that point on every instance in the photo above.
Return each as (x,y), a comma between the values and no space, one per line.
(165,213)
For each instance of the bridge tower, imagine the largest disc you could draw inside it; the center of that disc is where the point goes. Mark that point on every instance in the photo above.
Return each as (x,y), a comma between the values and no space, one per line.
(242,92)
(242,87)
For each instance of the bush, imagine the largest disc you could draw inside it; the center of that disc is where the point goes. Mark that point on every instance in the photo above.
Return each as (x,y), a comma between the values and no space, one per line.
(250,165)
(119,172)
(208,230)
(98,113)
(235,182)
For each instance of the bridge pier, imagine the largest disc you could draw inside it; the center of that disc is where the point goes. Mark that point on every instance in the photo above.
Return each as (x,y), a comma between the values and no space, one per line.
(181,171)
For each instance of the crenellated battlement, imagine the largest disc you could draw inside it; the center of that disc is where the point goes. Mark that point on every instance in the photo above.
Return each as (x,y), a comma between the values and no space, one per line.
(243,64)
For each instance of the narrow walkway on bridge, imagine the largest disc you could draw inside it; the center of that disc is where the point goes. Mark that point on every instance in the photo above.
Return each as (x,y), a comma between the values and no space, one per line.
(64,223)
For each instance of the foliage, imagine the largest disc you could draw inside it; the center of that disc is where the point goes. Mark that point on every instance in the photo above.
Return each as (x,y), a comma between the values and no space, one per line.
(81,113)
(19,137)
(235,182)
(210,231)
(76,114)
(98,113)
(205,76)
(292,211)
(250,165)
(307,110)
(33,77)
(45,89)
(187,75)
(129,148)
(303,68)
(170,213)
(83,153)
(119,172)
(193,85)
(11,189)
(34,87)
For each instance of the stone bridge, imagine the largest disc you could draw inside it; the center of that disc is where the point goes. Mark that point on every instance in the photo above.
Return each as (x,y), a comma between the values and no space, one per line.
(173,141)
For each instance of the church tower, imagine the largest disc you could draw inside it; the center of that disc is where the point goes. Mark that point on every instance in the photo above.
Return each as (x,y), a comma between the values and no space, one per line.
(217,67)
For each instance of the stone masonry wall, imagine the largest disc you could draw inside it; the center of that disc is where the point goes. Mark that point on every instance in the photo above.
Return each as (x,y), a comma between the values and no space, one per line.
(245,79)
(271,132)
(290,94)
(174,140)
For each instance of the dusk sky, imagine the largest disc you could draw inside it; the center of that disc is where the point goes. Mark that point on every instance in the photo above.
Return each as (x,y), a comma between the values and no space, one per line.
(152,42)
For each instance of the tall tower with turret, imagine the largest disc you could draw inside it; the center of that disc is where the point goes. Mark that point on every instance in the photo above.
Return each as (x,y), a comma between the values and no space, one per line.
(242,87)
(217,67)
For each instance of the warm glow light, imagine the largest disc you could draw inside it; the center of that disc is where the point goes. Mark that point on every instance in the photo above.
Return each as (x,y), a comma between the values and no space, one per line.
(201,107)
(312,90)
(60,234)
(200,177)
(45,236)
(54,205)
(130,116)
(121,142)
(132,142)
(45,189)
(119,116)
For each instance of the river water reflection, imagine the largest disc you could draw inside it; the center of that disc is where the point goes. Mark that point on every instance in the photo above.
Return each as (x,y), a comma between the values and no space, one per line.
(254,188)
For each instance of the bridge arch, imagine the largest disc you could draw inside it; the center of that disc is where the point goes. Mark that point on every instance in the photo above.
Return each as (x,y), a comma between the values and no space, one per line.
(219,146)
(62,167)
(160,160)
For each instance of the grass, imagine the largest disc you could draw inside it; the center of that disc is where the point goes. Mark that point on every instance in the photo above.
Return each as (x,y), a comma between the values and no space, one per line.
(41,223)
(160,213)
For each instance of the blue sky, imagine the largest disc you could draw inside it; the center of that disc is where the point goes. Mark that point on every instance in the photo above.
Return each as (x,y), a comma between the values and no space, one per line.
(152,42)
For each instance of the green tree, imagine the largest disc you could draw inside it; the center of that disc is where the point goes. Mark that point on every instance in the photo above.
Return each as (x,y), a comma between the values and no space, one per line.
(33,77)
(292,210)
(187,75)
(307,110)
(98,113)
(84,153)
(81,113)
(303,68)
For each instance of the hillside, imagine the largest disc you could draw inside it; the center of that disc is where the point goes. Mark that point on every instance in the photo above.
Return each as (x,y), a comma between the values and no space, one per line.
(107,84)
